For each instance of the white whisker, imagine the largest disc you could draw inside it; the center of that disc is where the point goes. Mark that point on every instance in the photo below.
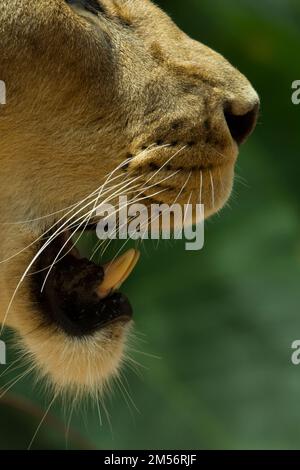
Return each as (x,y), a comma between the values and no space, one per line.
(41,422)
(212,189)
(201,186)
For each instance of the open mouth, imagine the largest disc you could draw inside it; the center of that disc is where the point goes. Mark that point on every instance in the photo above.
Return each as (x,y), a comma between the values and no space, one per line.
(77,295)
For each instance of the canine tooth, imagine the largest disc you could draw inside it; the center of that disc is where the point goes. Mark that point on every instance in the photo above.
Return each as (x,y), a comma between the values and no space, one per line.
(116,272)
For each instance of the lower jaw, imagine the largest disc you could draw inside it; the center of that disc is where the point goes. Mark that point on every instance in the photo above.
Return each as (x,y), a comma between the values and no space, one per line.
(77,366)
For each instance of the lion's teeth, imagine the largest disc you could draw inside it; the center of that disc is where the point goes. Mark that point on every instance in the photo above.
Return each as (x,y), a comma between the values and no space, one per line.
(117,271)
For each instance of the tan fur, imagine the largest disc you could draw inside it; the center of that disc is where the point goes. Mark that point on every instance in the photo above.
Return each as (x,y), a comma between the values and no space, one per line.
(84,94)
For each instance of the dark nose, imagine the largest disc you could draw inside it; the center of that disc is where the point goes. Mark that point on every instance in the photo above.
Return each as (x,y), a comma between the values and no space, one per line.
(241,125)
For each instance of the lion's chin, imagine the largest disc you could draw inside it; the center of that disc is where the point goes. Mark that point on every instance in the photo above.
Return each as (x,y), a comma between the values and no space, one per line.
(76,366)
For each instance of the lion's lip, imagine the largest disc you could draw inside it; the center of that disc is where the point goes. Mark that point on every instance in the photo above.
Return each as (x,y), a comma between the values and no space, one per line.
(79,296)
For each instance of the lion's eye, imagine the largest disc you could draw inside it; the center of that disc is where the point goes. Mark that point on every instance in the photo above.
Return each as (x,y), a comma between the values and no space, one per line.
(90,5)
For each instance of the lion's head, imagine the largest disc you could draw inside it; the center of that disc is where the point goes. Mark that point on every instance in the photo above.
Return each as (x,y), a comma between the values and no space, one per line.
(102,97)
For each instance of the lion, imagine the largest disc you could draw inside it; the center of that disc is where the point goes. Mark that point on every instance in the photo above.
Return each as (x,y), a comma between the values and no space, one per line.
(104,97)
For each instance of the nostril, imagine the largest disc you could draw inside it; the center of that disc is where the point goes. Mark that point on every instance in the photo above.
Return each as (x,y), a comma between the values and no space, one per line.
(241,126)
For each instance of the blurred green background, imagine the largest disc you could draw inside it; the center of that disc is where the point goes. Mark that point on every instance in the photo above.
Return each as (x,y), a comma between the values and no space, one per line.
(215,328)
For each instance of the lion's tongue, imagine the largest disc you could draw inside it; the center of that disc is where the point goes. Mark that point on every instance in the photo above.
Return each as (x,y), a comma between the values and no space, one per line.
(117,271)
